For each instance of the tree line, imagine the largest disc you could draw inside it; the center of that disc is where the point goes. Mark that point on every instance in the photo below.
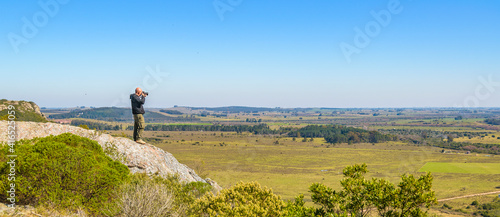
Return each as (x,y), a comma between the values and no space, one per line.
(172,112)
(492,121)
(472,147)
(437,139)
(341,134)
(256,129)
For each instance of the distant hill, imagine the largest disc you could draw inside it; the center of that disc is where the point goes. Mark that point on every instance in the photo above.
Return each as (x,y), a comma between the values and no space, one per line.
(119,115)
(24,111)
(245,109)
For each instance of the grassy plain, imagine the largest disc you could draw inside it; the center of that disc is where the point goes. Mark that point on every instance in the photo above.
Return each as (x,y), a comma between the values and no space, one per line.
(492,138)
(290,167)
(479,168)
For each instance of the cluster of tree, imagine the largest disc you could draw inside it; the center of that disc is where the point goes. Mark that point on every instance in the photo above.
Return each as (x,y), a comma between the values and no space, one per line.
(488,209)
(256,129)
(358,197)
(341,134)
(356,137)
(204,114)
(472,147)
(220,115)
(253,120)
(172,112)
(119,115)
(492,121)
(96,125)
(437,138)
(423,134)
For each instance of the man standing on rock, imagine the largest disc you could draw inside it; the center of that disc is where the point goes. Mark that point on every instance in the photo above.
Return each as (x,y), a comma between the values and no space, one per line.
(138,99)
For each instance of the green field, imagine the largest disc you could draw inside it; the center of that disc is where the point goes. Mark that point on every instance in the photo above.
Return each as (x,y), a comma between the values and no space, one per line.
(475,168)
(290,167)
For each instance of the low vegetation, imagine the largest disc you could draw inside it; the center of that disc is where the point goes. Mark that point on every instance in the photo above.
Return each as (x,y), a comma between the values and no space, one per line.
(65,171)
(68,172)
(243,199)
(358,197)
(491,209)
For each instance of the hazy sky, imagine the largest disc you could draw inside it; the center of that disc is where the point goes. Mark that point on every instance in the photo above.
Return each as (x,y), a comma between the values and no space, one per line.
(324,53)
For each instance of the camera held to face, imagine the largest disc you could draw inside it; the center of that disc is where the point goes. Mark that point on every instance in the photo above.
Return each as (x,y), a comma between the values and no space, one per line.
(145,93)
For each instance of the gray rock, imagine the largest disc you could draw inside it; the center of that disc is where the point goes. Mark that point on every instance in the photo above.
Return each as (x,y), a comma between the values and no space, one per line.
(139,158)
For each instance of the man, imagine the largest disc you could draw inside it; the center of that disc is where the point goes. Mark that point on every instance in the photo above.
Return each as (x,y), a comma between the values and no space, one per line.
(138,99)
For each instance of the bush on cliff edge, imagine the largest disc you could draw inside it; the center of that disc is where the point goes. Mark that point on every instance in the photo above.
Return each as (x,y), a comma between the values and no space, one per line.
(67,171)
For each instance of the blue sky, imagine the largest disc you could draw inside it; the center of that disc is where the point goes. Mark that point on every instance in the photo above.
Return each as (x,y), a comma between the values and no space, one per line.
(252,53)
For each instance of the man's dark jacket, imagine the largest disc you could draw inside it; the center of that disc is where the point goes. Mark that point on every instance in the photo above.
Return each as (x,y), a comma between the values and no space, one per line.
(137,102)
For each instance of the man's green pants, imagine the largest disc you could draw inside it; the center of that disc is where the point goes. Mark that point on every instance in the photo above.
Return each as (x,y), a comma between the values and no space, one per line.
(138,126)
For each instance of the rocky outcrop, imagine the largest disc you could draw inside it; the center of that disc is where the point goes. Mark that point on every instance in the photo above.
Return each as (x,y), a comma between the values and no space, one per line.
(26,111)
(139,158)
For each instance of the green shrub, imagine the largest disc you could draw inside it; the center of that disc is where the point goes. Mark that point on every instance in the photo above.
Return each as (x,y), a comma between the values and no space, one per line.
(297,208)
(243,199)
(360,196)
(66,170)
(152,195)
(446,206)
(490,209)
(144,196)
(185,193)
